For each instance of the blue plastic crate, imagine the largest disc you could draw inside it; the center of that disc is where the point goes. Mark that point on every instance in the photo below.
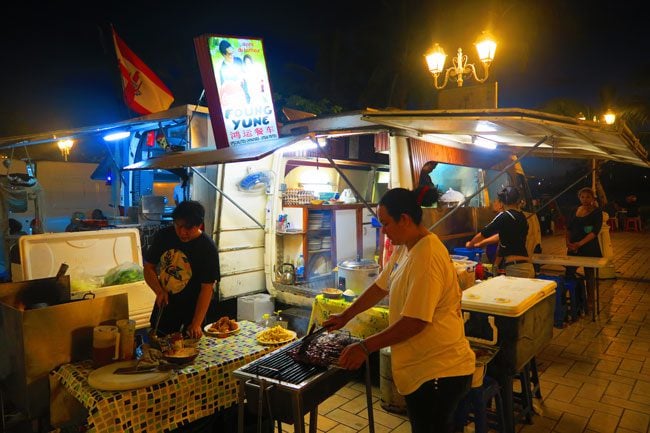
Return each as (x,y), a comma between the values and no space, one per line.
(471,253)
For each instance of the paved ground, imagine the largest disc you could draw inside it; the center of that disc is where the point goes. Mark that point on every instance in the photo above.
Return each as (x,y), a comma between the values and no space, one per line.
(595,376)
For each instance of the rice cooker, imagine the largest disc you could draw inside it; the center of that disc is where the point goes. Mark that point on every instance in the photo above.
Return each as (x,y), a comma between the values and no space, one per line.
(357,275)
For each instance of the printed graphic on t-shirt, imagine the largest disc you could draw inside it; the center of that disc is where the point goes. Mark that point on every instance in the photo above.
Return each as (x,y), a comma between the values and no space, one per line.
(175,271)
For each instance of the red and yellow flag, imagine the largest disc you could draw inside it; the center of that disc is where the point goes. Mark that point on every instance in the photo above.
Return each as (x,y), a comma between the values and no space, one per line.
(144,92)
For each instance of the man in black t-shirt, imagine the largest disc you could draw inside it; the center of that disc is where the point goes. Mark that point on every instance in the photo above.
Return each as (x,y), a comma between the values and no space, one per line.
(181,266)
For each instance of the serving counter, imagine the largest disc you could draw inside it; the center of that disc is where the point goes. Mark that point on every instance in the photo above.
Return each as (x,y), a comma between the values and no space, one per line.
(586,262)
(192,392)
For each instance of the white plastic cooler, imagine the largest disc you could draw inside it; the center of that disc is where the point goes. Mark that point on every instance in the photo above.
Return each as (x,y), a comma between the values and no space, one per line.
(89,255)
(523,314)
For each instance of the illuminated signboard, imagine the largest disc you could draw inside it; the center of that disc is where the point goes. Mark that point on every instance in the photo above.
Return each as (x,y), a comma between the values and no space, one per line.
(234,75)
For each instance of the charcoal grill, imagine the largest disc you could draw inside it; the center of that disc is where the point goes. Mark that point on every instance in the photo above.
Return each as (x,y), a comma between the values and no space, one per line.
(284,390)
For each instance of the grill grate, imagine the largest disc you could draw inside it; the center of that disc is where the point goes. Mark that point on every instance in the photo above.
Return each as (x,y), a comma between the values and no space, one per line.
(279,365)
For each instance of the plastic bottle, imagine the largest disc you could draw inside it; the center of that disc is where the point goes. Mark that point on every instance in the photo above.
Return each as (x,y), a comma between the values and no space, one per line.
(300,268)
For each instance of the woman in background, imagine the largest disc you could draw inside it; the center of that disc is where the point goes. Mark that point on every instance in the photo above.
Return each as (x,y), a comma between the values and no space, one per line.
(512,227)
(582,238)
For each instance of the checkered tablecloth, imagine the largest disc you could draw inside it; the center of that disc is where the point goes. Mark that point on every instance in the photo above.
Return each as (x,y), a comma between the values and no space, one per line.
(195,391)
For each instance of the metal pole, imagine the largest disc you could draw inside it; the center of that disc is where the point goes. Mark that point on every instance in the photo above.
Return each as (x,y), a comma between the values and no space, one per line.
(345,178)
(202,176)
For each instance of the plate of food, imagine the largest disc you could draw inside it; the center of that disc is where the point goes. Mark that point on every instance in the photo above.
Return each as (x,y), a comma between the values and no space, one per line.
(222,328)
(275,335)
(332,293)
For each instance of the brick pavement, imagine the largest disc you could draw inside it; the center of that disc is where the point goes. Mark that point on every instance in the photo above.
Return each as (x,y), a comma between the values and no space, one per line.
(595,376)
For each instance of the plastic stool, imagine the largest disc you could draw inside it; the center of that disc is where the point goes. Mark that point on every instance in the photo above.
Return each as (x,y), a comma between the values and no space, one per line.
(474,408)
(633,224)
(613,224)
(534,379)
(560,299)
(523,400)
(570,288)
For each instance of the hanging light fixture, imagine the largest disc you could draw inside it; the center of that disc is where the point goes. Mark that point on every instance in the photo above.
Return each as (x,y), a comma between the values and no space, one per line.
(65,146)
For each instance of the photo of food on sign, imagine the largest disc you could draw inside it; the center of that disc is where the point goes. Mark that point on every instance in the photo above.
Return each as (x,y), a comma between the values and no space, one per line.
(243,86)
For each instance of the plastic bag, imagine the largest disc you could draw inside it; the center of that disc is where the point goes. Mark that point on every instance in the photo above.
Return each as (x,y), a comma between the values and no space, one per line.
(124,273)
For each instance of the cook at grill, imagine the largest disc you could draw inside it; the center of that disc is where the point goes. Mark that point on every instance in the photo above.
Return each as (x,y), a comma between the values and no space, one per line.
(432,362)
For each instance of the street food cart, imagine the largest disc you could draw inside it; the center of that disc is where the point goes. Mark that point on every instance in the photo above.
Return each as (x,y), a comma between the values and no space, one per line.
(41,329)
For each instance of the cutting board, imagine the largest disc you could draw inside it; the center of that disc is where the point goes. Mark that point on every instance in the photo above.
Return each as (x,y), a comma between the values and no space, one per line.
(104,378)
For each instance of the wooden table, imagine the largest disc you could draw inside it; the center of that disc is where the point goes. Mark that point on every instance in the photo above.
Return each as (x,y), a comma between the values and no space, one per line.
(193,392)
(586,262)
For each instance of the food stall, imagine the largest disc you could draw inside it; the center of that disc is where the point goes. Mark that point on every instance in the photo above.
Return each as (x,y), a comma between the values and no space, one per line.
(41,329)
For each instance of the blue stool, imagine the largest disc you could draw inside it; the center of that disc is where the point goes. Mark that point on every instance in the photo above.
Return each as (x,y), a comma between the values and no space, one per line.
(560,299)
(523,400)
(477,407)
(575,307)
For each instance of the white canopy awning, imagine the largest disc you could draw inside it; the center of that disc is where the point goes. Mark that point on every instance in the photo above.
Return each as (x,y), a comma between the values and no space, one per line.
(517,130)
(208,156)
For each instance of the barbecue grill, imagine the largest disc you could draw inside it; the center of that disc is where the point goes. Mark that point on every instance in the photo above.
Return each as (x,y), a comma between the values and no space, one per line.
(284,390)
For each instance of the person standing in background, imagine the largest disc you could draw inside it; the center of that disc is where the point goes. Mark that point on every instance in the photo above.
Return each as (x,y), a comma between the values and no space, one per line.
(582,239)
(181,266)
(512,227)
(432,362)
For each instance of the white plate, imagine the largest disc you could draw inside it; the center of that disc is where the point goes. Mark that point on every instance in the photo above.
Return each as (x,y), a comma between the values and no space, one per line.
(207,331)
(104,378)
(271,343)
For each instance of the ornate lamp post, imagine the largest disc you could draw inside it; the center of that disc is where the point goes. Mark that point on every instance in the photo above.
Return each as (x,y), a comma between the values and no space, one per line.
(65,146)
(486,47)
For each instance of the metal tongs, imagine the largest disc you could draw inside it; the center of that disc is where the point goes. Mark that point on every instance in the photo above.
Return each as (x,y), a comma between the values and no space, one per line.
(311,335)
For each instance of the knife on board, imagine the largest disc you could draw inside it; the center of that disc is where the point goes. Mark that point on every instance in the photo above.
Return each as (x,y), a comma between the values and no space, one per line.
(136,369)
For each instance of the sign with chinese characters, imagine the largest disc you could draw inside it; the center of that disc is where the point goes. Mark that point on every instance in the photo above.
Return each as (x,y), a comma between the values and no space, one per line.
(237,87)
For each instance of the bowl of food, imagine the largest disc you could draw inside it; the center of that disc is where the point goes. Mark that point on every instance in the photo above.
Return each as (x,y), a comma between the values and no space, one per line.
(181,356)
(349,295)
(332,293)
(317,202)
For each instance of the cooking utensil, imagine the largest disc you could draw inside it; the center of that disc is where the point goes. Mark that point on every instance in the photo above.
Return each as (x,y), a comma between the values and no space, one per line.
(156,341)
(288,274)
(136,369)
(155,327)
(309,337)
(62,270)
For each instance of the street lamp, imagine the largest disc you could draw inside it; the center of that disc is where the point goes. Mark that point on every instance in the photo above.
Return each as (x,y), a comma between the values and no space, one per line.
(65,146)
(610,117)
(486,47)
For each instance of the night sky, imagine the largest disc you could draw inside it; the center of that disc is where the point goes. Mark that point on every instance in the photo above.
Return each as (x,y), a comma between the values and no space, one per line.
(59,68)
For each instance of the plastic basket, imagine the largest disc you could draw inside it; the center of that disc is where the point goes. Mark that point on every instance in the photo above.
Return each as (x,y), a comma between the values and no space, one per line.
(471,253)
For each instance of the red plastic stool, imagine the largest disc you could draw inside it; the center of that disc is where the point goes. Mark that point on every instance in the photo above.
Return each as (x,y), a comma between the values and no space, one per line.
(633,224)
